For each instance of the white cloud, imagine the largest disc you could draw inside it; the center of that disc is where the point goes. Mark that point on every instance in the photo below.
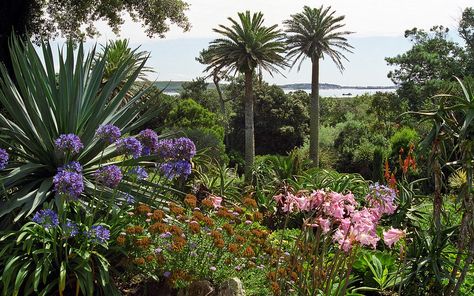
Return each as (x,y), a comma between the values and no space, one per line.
(364,17)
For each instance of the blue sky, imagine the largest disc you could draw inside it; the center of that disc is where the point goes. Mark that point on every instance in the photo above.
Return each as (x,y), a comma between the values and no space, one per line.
(378,25)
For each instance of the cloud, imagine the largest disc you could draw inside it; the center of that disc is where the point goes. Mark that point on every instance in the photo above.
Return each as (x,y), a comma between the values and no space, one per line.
(366,18)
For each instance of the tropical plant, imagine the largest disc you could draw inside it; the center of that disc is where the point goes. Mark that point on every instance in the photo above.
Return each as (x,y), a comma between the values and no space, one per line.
(244,47)
(45,102)
(312,34)
(116,53)
(58,253)
(452,126)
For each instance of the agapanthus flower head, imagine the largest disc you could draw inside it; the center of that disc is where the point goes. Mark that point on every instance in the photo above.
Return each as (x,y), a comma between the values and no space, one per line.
(70,229)
(392,236)
(108,133)
(68,143)
(68,183)
(73,166)
(129,146)
(46,218)
(138,172)
(109,175)
(149,140)
(175,169)
(98,234)
(3,158)
(176,149)
(185,148)
(129,199)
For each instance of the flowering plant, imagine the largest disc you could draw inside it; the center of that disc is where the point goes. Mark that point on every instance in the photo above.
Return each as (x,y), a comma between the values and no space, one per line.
(335,226)
(56,252)
(203,240)
(62,105)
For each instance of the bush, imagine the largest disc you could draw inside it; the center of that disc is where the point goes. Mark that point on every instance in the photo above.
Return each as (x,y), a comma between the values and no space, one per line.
(200,125)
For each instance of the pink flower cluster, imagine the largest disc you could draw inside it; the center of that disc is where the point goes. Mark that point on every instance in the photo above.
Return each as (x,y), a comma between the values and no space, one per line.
(342,215)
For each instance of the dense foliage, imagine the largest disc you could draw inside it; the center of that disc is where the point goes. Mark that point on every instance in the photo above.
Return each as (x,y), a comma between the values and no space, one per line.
(110,187)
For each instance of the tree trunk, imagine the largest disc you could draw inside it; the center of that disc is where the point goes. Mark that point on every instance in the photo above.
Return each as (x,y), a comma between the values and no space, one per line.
(438,198)
(314,115)
(249,128)
(216,80)
(225,121)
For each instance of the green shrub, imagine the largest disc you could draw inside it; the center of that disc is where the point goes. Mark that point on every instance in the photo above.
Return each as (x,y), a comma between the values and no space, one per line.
(46,101)
(403,138)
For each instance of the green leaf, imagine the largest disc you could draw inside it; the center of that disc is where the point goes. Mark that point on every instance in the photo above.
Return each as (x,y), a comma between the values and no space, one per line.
(62,278)
(20,277)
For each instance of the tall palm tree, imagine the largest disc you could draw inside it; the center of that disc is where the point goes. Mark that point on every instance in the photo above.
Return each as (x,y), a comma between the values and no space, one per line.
(242,48)
(314,33)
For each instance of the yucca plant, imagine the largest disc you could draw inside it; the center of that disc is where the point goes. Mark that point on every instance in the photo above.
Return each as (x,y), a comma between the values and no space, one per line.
(44,100)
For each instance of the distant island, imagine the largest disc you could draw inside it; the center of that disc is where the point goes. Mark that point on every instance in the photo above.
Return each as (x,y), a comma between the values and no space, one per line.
(332,86)
(175,86)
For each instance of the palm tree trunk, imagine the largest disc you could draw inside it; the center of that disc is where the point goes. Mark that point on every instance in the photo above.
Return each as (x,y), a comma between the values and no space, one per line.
(216,80)
(314,115)
(249,127)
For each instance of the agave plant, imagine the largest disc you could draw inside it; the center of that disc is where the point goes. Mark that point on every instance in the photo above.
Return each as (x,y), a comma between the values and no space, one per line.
(44,100)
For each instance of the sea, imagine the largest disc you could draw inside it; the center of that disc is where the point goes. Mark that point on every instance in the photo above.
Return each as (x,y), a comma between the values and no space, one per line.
(329,92)
(343,92)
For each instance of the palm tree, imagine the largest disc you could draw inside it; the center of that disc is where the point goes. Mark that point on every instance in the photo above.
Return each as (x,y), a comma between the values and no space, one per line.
(243,47)
(312,34)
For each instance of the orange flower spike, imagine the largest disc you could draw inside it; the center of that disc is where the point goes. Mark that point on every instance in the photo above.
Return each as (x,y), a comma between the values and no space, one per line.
(139,261)
(207,202)
(121,240)
(190,200)
(250,202)
(387,171)
(406,164)
(248,252)
(194,227)
(208,221)
(158,215)
(393,182)
(233,248)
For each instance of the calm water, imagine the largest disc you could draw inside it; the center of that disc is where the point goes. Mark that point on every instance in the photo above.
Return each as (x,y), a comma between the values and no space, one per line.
(347,92)
(336,93)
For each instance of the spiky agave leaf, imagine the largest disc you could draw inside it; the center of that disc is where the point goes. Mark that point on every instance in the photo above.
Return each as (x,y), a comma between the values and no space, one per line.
(45,100)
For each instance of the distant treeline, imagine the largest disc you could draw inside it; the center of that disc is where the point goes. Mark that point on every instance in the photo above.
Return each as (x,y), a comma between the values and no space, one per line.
(176,86)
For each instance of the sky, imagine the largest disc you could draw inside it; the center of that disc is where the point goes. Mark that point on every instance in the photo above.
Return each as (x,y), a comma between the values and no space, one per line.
(378,27)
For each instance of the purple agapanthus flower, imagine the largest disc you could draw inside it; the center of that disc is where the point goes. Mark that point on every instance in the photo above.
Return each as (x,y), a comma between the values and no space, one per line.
(176,149)
(110,175)
(149,140)
(3,158)
(129,199)
(129,146)
(46,218)
(139,172)
(69,143)
(108,133)
(185,148)
(73,166)
(98,234)
(70,229)
(175,169)
(68,183)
